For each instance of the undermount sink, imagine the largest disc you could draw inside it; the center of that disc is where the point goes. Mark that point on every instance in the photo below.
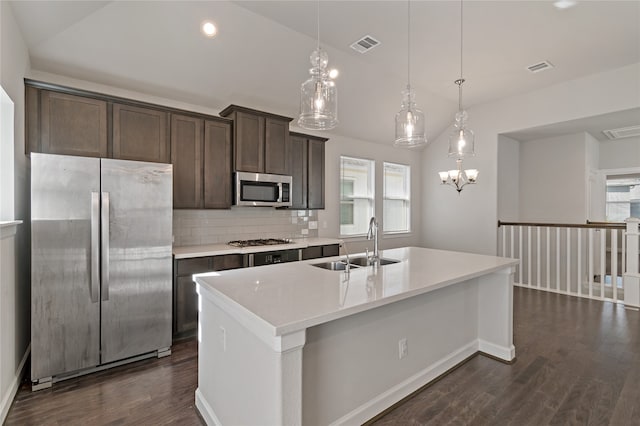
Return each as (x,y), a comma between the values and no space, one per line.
(341,265)
(336,265)
(363,261)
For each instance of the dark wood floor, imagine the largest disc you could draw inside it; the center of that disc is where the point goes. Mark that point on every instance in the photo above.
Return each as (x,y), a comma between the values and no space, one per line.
(578,363)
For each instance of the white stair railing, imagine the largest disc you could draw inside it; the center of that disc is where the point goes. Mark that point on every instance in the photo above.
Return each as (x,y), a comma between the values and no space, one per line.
(632,272)
(592,260)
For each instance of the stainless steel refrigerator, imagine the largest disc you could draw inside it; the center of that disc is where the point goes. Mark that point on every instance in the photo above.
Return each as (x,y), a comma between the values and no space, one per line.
(101,236)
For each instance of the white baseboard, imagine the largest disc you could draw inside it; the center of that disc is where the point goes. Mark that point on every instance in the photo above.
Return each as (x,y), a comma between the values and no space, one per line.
(501,352)
(206,411)
(7,398)
(386,399)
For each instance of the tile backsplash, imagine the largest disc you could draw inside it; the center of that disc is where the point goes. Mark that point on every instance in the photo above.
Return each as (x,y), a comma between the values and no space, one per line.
(194,227)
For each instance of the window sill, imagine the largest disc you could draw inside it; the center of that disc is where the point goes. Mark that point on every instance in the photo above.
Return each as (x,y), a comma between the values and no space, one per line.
(391,235)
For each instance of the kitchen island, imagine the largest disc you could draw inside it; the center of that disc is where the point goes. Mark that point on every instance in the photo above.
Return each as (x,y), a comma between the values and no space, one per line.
(296,344)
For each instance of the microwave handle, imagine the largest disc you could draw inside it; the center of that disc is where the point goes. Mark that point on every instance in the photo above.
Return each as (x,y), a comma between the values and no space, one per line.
(280,185)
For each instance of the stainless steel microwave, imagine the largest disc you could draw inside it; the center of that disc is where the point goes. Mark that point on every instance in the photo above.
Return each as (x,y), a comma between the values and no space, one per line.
(261,189)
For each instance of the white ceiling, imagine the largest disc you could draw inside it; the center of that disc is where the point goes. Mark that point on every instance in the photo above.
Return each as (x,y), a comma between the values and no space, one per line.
(260,57)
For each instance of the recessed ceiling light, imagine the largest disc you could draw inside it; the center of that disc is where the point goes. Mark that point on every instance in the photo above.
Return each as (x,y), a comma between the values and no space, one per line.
(333,73)
(564,4)
(209,29)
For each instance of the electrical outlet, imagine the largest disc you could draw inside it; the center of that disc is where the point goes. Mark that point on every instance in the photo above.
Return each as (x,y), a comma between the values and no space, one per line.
(223,338)
(403,348)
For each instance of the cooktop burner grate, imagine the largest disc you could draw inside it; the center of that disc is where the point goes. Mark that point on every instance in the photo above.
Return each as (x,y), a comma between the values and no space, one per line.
(259,242)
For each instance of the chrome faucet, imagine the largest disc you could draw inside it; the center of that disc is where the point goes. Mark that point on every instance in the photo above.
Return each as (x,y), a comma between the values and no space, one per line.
(347,268)
(372,234)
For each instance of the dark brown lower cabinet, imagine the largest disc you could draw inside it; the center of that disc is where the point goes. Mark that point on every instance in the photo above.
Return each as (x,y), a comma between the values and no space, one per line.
(185,297)
(316,252)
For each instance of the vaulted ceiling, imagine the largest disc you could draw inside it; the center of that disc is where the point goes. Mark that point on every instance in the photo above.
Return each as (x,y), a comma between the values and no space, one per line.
(260,56)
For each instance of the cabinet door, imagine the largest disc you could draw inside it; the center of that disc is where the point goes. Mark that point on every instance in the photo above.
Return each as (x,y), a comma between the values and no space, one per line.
(249,142)
(276,146)
(140,134)
(73,125)
(186,157)
(316,175)
(186,306)
(217,165)
(298,170)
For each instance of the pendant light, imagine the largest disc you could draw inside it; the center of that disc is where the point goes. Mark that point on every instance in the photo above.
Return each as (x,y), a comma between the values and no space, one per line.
(410,125)
(461,140)
(318,95)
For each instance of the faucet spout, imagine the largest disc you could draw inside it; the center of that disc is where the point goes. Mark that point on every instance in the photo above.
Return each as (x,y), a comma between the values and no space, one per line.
(372,234)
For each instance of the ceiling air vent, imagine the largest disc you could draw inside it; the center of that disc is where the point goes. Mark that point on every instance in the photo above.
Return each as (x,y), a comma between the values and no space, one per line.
(623,132)
(365,44)
(540,66)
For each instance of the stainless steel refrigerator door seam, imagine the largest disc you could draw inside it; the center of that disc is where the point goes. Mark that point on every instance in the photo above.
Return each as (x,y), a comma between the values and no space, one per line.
(94,287)
(105,246)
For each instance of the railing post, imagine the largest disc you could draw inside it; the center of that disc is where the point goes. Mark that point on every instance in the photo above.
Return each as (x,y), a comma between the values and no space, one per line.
(632,273)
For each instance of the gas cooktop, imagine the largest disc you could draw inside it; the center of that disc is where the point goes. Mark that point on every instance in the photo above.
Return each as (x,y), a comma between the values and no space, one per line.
(259,242)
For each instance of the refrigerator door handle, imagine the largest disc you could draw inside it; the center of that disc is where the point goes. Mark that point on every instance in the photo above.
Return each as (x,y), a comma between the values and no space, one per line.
(105,246)
(94,289)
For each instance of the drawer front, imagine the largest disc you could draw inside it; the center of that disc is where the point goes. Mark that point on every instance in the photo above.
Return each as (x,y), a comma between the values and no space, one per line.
(311,253)
(331,250)
(188,267)
(228,261)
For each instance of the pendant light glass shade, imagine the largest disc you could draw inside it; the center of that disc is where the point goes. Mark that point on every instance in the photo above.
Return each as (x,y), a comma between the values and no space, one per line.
(318,96)
(410,131)
(410,121)
(461,139)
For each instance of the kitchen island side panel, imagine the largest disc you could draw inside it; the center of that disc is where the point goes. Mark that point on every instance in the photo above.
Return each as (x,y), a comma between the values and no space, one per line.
(349,365)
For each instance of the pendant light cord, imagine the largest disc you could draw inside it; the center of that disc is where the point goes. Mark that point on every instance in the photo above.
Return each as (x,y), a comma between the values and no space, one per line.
(409,44)
(318,22)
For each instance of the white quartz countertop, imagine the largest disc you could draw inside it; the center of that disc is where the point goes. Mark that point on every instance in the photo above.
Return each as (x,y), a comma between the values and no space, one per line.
(219,249)
(289,297)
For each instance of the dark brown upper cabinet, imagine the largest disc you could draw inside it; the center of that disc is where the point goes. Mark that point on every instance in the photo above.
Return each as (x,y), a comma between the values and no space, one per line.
(61,123)
(186,157)
(217,165)
(260,140)
(306,163)
(201,158)
(140,134)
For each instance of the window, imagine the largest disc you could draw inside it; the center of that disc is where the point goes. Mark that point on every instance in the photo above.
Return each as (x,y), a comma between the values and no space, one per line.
(397,198)
(356,195)
(623,197)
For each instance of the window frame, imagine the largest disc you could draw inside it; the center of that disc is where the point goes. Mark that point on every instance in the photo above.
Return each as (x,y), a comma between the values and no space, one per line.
(371,197)
(406,199)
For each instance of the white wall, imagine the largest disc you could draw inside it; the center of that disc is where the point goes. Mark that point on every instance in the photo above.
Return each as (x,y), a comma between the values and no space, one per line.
(553,184)
(620,154)
(508,179)
(15,328)
(468,222)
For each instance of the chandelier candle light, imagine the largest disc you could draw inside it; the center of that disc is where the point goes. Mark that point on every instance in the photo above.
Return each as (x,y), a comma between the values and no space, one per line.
(461,140)
(318,95)
(410,126)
